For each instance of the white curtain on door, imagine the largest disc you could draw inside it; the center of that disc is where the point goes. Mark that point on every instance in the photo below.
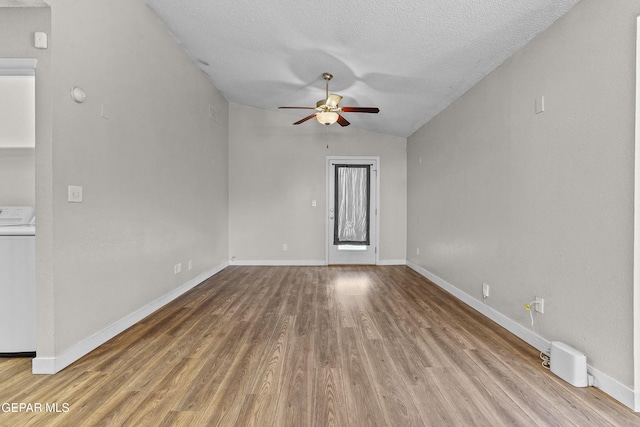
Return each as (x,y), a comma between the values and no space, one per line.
(352,205)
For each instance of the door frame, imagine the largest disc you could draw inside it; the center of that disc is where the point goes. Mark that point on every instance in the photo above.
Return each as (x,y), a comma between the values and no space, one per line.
(636,237)
(374,208)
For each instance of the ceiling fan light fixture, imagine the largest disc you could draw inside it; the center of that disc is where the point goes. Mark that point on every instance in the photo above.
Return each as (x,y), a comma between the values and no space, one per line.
(327,117)
(328,108)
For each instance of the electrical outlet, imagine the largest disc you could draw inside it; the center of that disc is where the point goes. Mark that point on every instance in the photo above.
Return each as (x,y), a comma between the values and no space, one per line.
(485,290)
(74,193)
(417,251)
(284,247)
(539,305)
(177,268)
(190,264)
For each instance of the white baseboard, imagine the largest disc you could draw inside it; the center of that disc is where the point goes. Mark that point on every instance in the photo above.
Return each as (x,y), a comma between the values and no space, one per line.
(51,365)
(283,262)
(392,262)
(612,387)
(312,262)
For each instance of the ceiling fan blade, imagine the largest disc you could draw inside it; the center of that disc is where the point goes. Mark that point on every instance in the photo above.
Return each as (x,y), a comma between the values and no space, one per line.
(342,121)
(311,116)
(333,100)
(300,108)
(360,109)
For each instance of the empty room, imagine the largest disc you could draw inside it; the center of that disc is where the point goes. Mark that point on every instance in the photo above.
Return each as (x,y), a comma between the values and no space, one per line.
(314,213)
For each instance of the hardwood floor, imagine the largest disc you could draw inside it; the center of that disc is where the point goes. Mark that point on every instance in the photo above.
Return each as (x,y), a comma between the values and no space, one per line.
(308,346)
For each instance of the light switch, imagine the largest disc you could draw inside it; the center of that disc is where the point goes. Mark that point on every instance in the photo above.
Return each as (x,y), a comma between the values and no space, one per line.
(74,193)
(313,203)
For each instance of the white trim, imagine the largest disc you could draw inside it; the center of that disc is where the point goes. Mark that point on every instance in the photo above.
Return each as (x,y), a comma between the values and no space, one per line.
(51,365)
(392,262)
(636,235)
(276,262)
(610,386)
(309,262)
(377,165)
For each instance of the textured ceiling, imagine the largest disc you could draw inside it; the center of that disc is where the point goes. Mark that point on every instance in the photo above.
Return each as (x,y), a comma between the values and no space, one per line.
(410,58)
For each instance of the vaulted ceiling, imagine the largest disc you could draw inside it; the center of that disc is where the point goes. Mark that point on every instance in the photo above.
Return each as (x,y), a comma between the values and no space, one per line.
(410,58)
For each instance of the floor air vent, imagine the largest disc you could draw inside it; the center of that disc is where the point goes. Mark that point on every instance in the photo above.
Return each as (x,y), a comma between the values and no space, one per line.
(569,364)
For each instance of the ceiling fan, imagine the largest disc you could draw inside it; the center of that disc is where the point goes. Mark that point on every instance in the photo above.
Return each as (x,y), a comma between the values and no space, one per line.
(328,111)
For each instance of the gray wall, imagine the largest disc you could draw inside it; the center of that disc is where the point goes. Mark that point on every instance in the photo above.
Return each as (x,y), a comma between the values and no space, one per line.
(277,169)
(142,146)
(541,204)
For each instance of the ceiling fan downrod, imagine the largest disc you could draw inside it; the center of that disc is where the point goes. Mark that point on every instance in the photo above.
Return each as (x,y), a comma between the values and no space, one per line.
(327,77)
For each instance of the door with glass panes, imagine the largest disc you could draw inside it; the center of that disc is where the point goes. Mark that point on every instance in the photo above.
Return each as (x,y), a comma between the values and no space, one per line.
(352,210)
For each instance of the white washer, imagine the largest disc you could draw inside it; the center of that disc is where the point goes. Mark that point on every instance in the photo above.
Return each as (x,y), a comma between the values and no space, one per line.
(17,281)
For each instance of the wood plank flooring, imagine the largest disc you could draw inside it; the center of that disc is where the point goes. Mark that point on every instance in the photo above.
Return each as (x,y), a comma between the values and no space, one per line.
(308,346)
